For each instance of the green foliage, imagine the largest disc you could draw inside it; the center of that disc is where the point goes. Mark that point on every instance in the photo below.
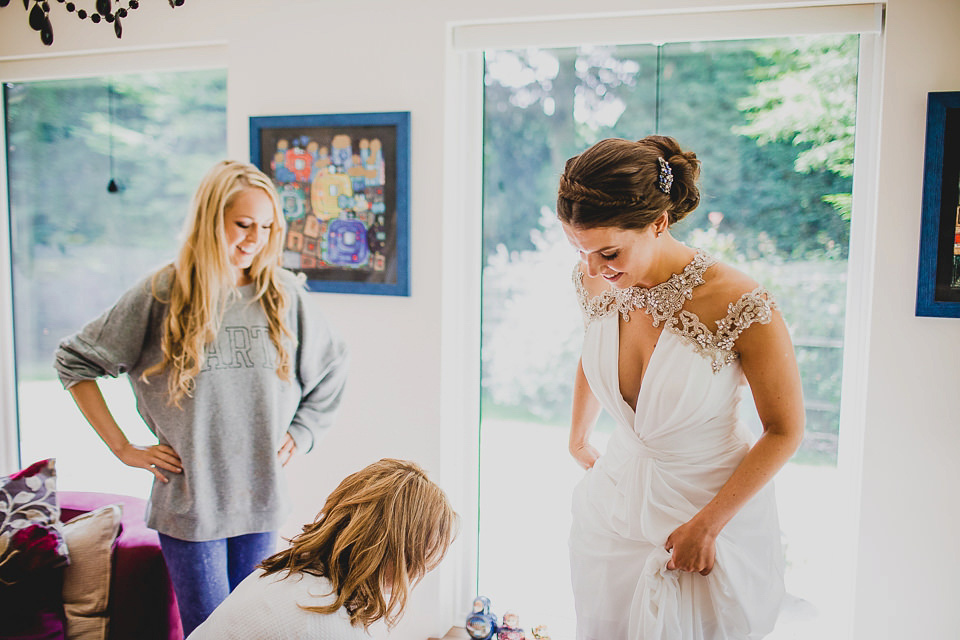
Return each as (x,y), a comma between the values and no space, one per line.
(76,246)
(538,113)
(806,95)
(161,137)
(528,133)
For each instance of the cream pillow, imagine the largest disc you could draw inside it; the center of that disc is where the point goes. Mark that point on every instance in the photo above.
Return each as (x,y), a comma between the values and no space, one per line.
(86,580)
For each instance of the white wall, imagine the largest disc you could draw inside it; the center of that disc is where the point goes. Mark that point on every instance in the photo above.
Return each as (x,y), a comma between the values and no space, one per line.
(910,513)
(384,56)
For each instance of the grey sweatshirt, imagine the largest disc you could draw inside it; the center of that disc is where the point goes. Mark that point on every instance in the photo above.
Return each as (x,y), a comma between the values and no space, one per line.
(227,435)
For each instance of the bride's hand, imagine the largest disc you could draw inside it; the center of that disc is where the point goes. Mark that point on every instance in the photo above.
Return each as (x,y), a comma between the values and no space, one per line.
(585,454)
(692,547)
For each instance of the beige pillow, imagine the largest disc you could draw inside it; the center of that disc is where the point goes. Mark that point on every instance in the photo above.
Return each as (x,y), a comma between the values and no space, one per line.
(86,580)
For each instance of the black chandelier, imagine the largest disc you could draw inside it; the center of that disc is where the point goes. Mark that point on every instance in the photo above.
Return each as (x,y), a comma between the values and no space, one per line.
(38,16)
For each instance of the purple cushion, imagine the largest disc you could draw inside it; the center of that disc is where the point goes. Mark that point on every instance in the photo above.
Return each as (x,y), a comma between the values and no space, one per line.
(30,536)
(32,608)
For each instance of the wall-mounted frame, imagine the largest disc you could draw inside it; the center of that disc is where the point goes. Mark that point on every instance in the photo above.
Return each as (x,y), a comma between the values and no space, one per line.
(938,284)
(344,184)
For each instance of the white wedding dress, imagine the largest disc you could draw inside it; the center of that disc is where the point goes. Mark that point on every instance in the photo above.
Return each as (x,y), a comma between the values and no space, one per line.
(663,463)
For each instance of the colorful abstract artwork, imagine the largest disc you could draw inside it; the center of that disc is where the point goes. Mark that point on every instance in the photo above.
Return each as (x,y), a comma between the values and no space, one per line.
(343,182)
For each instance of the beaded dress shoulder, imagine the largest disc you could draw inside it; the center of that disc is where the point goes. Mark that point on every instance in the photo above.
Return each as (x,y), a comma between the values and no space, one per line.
(664,303)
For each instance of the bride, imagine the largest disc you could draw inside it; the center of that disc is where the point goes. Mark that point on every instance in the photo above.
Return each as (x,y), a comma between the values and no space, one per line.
(675,533)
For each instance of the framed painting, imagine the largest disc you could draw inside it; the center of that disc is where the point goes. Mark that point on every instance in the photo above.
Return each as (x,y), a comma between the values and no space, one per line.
(938,284)
(344,184)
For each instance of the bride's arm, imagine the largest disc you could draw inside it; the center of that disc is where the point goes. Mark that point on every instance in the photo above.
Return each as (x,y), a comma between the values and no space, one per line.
(586,409)
(768,361)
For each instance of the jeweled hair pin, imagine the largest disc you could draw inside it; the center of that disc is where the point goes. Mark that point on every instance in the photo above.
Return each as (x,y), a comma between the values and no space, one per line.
(665,180)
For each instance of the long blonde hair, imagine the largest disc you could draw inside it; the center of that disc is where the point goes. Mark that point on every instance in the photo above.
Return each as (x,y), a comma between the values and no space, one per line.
(387,525)
(201,281)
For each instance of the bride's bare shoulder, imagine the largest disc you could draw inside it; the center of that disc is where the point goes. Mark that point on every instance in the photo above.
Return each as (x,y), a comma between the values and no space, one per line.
(723,286)
(731,281)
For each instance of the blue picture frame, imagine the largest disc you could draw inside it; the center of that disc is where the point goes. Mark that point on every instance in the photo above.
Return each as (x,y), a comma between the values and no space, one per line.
(344,185)
(938,280)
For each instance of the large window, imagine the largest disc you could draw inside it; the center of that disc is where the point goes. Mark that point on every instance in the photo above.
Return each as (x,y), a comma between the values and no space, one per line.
(101,172)
(773,123)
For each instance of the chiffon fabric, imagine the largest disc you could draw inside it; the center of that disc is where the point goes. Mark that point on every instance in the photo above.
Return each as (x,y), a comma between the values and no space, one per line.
(663,463)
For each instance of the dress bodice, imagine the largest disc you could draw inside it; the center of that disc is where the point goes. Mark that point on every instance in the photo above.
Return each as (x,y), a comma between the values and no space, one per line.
(687,406)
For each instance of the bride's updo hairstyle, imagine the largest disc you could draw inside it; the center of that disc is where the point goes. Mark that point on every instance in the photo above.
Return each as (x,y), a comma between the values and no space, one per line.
(625,184)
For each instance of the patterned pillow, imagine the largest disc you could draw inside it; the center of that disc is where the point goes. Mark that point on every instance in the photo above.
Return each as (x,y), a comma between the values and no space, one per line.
(31,536)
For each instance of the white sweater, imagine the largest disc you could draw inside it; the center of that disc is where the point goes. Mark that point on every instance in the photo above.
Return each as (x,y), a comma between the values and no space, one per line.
(265,608)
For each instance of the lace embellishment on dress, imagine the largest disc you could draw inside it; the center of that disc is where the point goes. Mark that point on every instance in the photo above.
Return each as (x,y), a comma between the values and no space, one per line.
(755,306)
(661,302)
(665,301)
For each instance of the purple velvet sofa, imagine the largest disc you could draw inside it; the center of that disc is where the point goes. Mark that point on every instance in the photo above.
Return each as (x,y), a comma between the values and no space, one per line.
(142,603)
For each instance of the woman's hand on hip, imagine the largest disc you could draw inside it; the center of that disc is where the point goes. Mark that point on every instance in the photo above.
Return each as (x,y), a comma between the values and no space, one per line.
(287,449)
(585,454)
(693,548)
(152,458)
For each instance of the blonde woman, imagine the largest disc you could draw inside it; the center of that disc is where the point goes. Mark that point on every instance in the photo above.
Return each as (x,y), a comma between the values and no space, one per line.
(381,530)
(233,372)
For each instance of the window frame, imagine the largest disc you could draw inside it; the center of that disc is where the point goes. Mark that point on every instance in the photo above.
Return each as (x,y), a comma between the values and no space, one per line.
(9,410)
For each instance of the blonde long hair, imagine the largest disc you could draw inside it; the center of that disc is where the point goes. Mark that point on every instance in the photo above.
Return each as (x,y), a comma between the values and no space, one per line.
(387,525)
(202,281)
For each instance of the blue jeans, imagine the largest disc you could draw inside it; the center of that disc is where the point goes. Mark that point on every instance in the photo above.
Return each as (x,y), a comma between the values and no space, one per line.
(204,573)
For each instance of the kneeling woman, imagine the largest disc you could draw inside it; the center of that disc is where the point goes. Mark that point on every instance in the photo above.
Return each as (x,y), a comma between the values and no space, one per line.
(381,530)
